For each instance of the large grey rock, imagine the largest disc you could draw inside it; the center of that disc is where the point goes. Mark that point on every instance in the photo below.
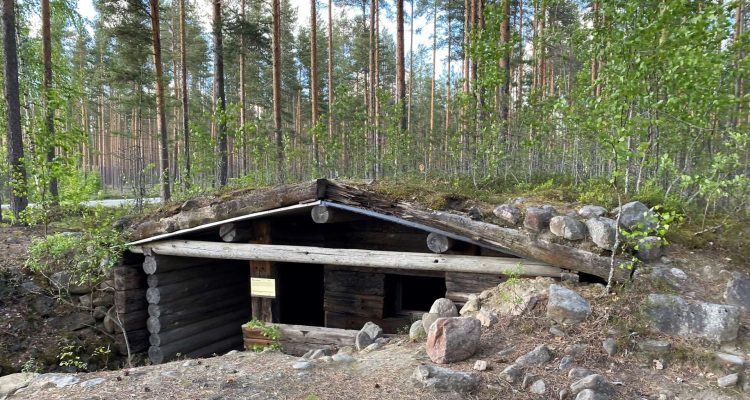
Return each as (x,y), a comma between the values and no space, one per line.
(676,316)
(636,216)
(30,287)
(567,227)
(42,305)
(649,248)
(508,214)
(72,322)
(417,332)
(373,330)
(472,305)
(66,281)
(565,306)
(54,380)
(444,308)
(602,231)
(444,379)
(590,211)
(512,373)
(537,219)
(453,339)
(10,383)
(738,291)
(539,355)
(362,340)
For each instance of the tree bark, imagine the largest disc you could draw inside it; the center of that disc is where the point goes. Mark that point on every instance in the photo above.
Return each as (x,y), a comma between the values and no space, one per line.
(314,78)
(18,199)
(219,95)
(411,65)
(49,108)
(400,67)
(161,117)
(186,179)
(505,67)
(276,74)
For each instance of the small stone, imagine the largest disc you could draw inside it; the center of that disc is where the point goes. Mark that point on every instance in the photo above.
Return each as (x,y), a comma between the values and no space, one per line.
(565,306)
(737,291)
(570,277)
(373,330)
(563,394)
(588,394)
(727,381)
(372,347)
(602,231)
(565,363)
(343,358)
(486,317)
(578,373)
(508,214)
(537,219)
(444,379)
(730,361)
(189,363)
(472,305)
(417,332)
(678,273)
(539,355)
(610,346)
(302,365)
(362,340)
(538,387)
(567,228)
(512,374)
(42,305)
(505,354)
(319,353)
(555,331)
(576,349)
(475,213)
(480,365)
(591,211)
(326,359)
(444,308)
(594,382)
(528,379)
(655,346)
(99,312)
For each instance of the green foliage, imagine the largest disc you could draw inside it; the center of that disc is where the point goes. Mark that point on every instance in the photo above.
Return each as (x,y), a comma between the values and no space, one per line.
(269,331)
(661,223)
(70,357)
(89,256)
(31,365)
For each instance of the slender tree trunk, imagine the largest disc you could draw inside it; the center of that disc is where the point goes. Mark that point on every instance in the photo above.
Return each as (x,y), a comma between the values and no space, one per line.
(434,66)
(595,57)
(176,111)
(738,28)
(49,108)
(220,100)
(446,134)
(186,179)
(330,76)
(243,104)
(400,67)
(373,78)
(276,75)
(314,78)
(18,199)
(161,117)
(505,67)
(411,65)
(519,80)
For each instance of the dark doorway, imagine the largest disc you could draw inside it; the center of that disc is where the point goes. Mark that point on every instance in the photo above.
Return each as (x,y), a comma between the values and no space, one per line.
(406,293)
(299,294)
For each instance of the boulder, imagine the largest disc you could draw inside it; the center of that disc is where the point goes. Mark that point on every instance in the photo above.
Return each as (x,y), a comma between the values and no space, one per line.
(636,216)
(10,383)
(42,305)
(30,287)
(602,231)
(471,305)
(72,322)
(45,381)
(537,219)
(508,214)
(674,315)
(539,355)
(417,332)
(444,308)
(590,211)
(663,275)
(444,379)
(565,306)
(738,291)
(567,227)
(453,339)
(64,280)
(649,248)
(103,298)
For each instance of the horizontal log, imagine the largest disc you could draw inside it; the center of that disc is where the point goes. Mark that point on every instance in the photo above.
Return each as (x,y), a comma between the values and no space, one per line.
(185,316)
(180,290)
(222,300)
(127,301)
(137,340)
(438,243)
(233,233)
(471,283)
(182,275)
(317,335)
(131,321)
(366,283)
(159,354)
(129,277)
(353,257)
(158,263)
(173,335)
(363,305)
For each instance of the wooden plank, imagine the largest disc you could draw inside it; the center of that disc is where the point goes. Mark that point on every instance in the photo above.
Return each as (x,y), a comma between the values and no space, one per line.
(508,240)
(354,257)
(221,301)
(128,277)
(471,283)
(363,305)
(233,342)
(354,282)
(158,263)
(127,301)
(317,335)
(262,308)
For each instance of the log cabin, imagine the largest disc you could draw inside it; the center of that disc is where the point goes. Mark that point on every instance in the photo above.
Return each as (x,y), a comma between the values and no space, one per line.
(317,259)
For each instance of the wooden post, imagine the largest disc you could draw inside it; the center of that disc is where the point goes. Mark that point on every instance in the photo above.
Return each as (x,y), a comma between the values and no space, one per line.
(438,243)
(262,308)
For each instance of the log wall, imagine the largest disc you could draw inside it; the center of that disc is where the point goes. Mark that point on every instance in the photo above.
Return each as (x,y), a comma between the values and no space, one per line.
(129,313)
(196,307)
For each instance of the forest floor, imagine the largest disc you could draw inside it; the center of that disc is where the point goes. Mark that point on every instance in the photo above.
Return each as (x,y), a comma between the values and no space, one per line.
(687,373)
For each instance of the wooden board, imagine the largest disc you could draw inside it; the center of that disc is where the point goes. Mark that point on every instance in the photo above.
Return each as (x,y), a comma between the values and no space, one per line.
(471,283)
(262,308)
(341,280)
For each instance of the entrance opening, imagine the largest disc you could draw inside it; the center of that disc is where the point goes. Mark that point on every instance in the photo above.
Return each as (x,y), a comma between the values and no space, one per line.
(299,294)
(406,293)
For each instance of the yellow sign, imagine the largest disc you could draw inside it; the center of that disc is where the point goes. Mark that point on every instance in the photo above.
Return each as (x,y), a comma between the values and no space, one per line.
(263,287)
